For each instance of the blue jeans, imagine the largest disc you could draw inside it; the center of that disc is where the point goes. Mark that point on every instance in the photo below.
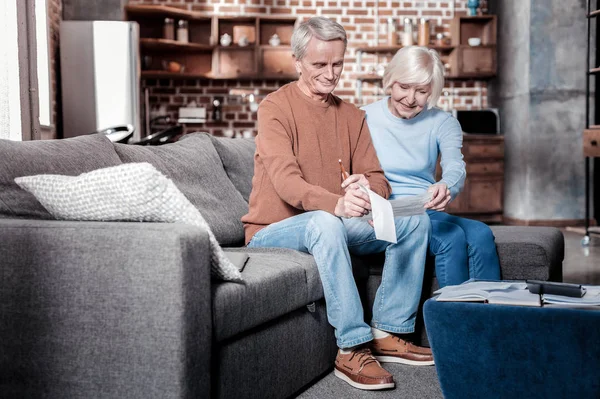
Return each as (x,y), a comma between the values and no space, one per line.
(331,240)
(463,248)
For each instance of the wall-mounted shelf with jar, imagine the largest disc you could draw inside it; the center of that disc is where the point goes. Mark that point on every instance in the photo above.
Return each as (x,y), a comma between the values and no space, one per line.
(176,43)
(466,59)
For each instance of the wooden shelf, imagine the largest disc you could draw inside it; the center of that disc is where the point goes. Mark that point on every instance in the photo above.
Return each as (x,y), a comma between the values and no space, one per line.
(172,45)
(234,47)
(162,11)
(593,14)
(481,18)
(280,47)
(173,75)
(368,77)
(393,49)
(178,75)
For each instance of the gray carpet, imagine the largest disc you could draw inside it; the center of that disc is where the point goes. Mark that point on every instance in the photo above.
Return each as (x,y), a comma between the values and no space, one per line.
(411,382)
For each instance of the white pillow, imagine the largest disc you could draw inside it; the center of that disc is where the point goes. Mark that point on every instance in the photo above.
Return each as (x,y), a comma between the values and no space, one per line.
(128,192)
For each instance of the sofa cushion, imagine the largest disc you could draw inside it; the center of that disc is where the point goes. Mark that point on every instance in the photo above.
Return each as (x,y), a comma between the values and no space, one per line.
(276,282)
(194,166)
(237,156)
(130,192)
(71,157)
(530,252)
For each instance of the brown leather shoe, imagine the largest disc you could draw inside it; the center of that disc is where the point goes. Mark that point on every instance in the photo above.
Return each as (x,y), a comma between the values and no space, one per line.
(360,369)
(393,349)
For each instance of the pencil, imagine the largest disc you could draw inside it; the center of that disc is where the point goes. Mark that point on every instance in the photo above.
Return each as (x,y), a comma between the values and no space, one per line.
(344,173)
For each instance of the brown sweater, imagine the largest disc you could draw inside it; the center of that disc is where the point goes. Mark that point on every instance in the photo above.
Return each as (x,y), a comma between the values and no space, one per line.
(296,165)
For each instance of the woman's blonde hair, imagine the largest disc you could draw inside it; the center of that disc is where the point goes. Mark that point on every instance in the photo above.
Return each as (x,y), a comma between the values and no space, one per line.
(419,66)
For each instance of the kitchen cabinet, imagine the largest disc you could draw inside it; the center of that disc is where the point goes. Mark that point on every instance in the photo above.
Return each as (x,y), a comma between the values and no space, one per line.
(482,195)
(469,61)
(250,54)
(463,61)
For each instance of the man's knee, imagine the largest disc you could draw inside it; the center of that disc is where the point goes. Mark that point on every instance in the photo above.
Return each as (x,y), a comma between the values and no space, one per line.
(323,224)
(420,224)
(417,225)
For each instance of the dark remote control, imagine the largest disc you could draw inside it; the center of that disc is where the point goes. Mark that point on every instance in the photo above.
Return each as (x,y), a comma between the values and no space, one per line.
(550,287)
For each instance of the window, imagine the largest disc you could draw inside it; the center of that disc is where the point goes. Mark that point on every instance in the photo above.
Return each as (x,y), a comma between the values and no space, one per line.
(43,64)
(10,102)
(24,69)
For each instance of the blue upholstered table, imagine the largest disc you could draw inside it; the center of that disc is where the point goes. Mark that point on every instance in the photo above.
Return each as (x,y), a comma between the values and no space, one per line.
(499,351)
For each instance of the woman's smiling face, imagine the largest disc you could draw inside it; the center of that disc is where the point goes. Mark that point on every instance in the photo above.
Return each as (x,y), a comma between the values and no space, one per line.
(407,100)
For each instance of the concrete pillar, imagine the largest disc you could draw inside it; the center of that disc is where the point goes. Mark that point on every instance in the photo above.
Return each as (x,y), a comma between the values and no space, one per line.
(94,10)
(540,91)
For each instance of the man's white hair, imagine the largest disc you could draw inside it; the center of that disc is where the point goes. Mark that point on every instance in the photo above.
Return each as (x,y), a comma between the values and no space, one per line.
(320,27)
(416,65)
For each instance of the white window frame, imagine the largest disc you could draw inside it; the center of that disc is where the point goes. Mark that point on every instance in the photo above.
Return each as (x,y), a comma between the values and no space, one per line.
(43,64)
(28,66)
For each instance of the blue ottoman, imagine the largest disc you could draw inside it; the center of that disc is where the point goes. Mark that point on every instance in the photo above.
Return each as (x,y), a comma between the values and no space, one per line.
(497,351)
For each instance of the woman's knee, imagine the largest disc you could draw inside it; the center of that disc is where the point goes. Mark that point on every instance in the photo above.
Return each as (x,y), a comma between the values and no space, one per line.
(480,234)
(449,236)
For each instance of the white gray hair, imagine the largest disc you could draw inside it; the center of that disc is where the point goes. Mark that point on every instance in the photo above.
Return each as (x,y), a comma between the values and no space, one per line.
(416,65)
(320,27)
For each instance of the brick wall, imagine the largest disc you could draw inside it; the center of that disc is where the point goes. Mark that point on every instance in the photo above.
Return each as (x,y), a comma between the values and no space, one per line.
(357,17)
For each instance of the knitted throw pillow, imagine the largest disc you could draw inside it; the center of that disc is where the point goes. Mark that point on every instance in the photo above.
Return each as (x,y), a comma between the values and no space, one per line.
(128,192)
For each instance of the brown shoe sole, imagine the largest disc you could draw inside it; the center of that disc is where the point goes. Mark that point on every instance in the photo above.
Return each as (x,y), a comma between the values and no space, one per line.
(367,387)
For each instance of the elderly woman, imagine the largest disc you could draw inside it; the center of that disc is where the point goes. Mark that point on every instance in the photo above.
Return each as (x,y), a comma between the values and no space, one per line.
(408,134)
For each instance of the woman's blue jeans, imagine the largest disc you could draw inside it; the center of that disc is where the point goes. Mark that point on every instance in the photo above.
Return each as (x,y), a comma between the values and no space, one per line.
(331,240)
(463,248)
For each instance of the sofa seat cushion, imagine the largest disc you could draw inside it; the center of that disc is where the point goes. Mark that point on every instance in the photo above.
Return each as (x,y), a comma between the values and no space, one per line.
(525,252)
(276,282)
(70,157)
(194,166)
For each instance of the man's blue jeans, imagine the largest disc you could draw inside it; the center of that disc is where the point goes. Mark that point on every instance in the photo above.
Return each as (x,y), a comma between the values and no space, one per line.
(463,248)
(331,240)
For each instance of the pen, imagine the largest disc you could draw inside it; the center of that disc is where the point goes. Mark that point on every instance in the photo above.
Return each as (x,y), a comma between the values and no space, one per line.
(344,173)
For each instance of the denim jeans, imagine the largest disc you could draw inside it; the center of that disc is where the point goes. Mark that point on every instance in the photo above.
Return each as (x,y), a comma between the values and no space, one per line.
(463,248)
(331,240)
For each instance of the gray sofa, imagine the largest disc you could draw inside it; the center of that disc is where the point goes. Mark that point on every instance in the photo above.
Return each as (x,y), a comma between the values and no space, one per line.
(126,309)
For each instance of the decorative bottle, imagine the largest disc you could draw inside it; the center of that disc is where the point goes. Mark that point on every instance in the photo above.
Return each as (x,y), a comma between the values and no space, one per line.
(169,29)
(424,32)
(182,31)
(391,31)
(407,34)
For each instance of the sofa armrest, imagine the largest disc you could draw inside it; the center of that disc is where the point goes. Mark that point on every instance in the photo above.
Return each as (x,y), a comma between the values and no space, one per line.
(530,252)
(100,309)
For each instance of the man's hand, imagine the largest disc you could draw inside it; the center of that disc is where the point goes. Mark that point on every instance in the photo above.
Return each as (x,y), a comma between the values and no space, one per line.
(353,181)
(440,197)
(354,203)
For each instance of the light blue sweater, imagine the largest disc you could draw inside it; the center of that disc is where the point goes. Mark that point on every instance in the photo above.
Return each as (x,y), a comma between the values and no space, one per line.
(408,149)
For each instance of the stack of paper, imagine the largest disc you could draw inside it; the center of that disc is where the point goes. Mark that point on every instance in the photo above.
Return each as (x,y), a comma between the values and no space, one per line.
(495,292)
(407,206)
(590,298)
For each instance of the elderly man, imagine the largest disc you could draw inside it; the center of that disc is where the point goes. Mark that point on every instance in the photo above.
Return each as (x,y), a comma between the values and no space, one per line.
(301,200)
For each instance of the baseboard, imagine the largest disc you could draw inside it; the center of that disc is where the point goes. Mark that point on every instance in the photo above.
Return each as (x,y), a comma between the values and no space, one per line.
(549,223)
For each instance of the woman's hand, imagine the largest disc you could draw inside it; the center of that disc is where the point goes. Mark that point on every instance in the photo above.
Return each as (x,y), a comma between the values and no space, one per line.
(440,197)
(353,181)
(354,203)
